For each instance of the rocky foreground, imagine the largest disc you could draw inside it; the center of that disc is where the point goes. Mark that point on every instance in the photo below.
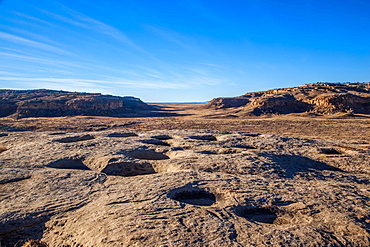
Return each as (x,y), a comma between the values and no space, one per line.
(316,98)
(52,103)
(182,188)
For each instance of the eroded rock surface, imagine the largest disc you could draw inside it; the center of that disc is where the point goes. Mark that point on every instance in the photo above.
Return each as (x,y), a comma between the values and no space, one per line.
(203,188)
(320,98)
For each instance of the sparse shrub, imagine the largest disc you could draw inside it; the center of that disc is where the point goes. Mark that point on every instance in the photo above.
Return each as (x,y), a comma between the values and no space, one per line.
(34,243)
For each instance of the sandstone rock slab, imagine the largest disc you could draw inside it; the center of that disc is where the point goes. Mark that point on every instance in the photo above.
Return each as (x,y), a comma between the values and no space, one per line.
(109,191)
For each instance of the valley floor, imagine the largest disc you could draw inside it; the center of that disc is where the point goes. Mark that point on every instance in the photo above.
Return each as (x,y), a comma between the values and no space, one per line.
(349,128)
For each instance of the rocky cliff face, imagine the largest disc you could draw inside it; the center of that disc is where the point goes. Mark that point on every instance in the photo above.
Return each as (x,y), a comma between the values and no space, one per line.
(50,103)
(322,98)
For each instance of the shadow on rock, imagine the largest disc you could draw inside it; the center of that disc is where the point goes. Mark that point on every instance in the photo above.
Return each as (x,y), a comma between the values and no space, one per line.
(193,195)
(267,215)
(16,233)
(288,166)
(161,111)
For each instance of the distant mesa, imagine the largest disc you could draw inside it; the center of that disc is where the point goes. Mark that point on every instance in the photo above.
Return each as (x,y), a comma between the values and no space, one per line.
(318,98)
(51,103)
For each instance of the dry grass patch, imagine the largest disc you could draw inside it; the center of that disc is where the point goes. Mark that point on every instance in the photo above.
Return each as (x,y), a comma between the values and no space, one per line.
(34,243)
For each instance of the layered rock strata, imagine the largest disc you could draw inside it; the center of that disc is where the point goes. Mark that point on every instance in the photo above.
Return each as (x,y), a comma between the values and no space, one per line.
(320,98)
(50,103)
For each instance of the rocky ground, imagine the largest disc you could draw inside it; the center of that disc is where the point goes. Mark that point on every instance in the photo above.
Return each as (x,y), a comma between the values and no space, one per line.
(182,188)
(210,174)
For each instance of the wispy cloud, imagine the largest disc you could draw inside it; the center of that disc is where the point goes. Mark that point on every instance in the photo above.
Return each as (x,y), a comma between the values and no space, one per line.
(73,66)
(33,19)
(149,70)
(82,21)
(64,19)
(7,73)
(50,62)
(155,76)
(56,84)
(205,80)
(148,84)
(212,65)
(35,36)
(106,29)
(27,42)
(197,71)
(11,49)
(121,65)
(171,36)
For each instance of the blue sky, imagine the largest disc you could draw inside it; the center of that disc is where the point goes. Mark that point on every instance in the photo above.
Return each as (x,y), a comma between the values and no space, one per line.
(182,50)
